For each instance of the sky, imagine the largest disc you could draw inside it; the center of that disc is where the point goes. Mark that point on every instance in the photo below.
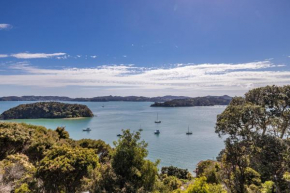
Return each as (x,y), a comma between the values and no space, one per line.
(85,48)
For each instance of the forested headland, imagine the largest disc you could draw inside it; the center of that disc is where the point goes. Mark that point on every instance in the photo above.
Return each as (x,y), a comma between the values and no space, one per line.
(197,101)
(47,110)
(255,159)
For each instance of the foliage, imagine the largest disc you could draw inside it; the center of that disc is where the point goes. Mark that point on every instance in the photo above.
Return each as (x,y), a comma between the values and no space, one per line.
(13,138)
(101,179)
(199,186)
(23,189)
(40,142)
(63,134)
(286,176)
(268,187)
(128,161)
(252,177)
(160,187)
(257,149)
(264,110)
(216,188)
(269,158)
(63,168)
(31,140)
(17,170)
(100,147)
(209,169)
(172,182)
(47,110)
(61,164)
(177,172)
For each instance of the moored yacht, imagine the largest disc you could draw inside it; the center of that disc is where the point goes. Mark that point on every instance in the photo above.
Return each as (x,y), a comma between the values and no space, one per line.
(188,132)
(157,120)
(157,132)
(87,129)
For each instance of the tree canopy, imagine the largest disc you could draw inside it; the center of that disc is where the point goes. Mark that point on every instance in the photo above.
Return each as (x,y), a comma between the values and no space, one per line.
(257,146)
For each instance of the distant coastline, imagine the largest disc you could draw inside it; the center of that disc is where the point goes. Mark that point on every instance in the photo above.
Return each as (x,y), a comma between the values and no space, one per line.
(198,101)
(93,99)
(109,98)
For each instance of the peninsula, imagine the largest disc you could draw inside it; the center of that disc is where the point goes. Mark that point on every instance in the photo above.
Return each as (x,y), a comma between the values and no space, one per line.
(198,101)
(47,110)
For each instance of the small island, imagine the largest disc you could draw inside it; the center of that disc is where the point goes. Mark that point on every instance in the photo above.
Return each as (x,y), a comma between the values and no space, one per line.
(198,101)
(47,110)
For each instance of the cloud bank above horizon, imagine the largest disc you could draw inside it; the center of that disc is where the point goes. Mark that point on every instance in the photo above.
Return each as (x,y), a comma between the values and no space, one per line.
(179,79)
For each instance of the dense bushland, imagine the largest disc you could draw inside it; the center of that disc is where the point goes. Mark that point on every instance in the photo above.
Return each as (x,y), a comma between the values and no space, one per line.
(47,110)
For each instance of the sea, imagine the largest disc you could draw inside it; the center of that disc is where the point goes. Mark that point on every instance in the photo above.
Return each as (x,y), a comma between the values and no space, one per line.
(172,146)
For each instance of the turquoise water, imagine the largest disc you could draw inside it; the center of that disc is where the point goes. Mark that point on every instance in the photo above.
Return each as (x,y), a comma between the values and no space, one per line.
(172,146)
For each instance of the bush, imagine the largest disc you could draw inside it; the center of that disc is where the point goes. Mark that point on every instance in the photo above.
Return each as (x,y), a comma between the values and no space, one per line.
(175,171)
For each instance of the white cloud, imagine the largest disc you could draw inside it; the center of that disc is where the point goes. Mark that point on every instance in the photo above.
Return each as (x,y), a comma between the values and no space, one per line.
(5,26)
(4,55)
(125,56)
(26,55)
(181,78)
(62,57)
(94,56)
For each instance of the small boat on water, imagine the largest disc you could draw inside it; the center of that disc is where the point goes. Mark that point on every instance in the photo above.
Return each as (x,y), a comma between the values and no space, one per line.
(188,132)
(157,132)
(87,129)
(157,120)
(140,129)
(119,135)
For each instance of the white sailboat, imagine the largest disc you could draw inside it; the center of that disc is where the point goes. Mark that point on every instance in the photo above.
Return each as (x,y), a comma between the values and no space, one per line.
(188,132)
(157,120)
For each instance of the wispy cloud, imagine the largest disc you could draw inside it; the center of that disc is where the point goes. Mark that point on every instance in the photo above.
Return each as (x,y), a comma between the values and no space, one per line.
(63,57)
(94,56)
(4,55)
(4,26)
(180,77)
(26,55)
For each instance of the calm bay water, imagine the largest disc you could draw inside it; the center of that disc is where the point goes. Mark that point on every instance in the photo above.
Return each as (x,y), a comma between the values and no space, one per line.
(172,146)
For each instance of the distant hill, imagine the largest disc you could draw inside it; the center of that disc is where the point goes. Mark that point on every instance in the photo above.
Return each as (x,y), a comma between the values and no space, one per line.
(47,110)
(94,99)
(35,98)
(198,101)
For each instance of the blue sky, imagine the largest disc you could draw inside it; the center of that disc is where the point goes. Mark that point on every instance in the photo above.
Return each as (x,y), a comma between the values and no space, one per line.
(178,47)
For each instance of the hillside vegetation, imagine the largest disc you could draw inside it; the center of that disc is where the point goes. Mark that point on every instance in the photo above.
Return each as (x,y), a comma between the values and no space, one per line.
(198,101)
(47,110)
